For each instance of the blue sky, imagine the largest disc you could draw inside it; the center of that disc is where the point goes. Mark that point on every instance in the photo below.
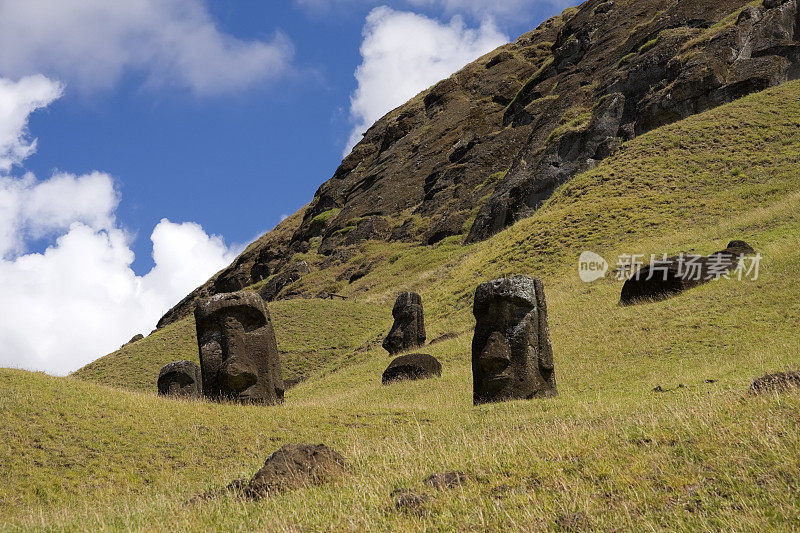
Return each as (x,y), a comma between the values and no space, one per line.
(143,143)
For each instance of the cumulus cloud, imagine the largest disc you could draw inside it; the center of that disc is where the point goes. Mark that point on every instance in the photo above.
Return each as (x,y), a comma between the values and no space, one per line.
(33,209)
(92,43)
(18,100)
(80,298)
(404,53)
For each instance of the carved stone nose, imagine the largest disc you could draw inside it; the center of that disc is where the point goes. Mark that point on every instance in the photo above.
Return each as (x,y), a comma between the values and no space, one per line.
(496,355)
(236,375)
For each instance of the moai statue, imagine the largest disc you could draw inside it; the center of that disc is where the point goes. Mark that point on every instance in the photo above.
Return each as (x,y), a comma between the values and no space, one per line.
(511,353)
(408,331)
(239,357)
(181,378)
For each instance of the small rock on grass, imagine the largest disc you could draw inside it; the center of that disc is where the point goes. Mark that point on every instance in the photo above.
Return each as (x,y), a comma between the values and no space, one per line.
(780,382)
(291,467)
(446,480)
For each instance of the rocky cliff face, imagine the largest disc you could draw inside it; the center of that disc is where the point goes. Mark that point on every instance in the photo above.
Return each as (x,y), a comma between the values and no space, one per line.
(487,146)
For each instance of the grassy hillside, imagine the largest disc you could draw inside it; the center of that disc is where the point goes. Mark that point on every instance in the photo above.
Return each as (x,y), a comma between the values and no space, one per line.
(608,452)
(313,337)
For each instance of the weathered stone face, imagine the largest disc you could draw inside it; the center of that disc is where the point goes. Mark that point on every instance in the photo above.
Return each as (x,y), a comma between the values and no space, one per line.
(511,353)
(239,357)
(181,378)
(408,331)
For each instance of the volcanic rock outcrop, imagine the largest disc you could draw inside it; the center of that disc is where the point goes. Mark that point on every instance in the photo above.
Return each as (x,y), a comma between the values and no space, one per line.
(408,330)
(493,141)
(239,356)
(412,366)
(667,277)
(511,353)
(182,379)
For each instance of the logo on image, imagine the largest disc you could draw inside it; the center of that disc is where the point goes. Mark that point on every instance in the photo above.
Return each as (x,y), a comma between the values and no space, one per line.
(592,267)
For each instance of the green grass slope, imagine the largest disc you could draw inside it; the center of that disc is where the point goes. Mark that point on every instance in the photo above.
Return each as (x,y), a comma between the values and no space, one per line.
(707,455)
(313,337)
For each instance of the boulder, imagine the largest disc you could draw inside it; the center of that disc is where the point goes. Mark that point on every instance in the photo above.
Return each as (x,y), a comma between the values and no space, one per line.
(293,466)
(181,378)
(408,330)
(239,356)
(780,382)
(511,353)
(673,275)
(135,338)
(412,366)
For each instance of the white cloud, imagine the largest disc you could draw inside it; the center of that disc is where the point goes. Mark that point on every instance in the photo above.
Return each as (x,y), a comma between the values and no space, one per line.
(92,43)
(405,53)
(17,101)
(80,298)
(34,209)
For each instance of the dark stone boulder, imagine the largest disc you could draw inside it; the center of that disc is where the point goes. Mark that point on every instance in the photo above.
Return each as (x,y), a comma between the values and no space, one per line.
(511,353)
(776,383)
(239,356)
(286,277)
(408,330)
(135,338)
(412,366)
(182,379)
(673,275)
(293,466)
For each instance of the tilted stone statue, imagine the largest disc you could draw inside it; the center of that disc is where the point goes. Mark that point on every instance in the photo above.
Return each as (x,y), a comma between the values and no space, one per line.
(511,353)
(239,357)
(181,378)
(408,330)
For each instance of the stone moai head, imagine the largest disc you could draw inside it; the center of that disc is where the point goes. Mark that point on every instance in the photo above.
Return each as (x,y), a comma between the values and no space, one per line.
(239,357)
(408,330)
(181,378)
(511,353)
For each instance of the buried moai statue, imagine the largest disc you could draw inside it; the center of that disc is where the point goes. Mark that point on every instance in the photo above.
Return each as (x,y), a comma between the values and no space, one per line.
(239,357)
(511,353)
(408,330)
(181,378)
